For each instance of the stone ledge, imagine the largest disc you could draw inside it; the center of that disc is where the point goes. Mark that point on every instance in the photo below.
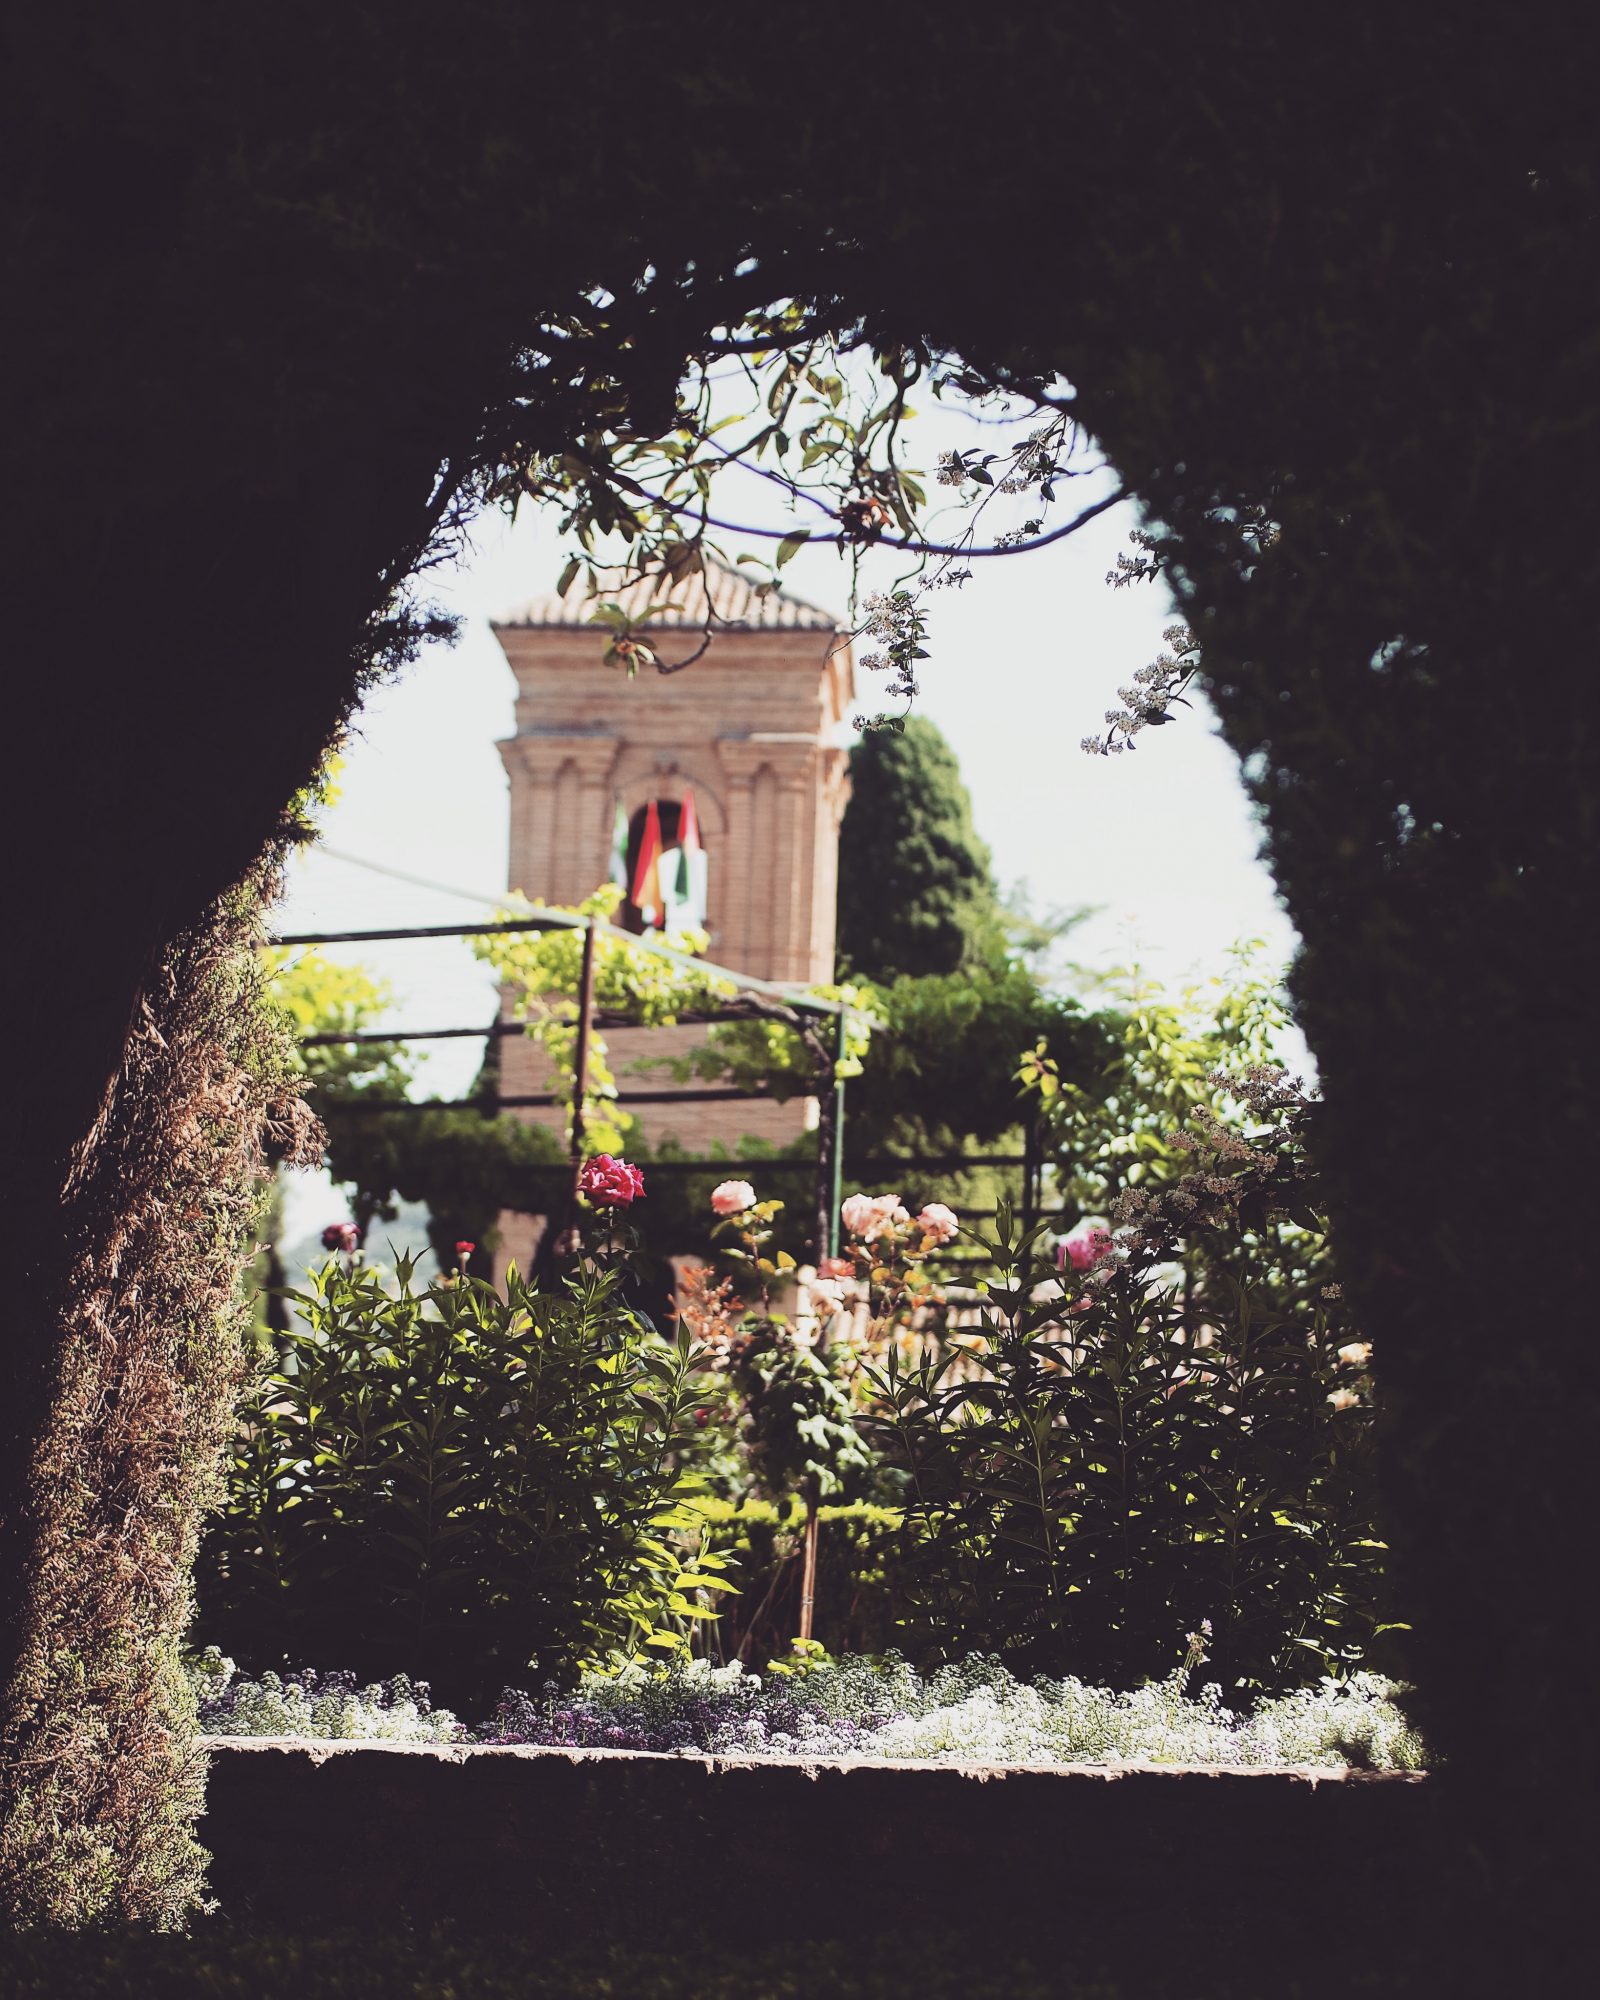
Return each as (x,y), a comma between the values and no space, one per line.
(558,1843)
(320,1748)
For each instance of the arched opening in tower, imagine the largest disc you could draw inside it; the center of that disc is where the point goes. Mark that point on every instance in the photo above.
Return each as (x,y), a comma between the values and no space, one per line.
(664,870)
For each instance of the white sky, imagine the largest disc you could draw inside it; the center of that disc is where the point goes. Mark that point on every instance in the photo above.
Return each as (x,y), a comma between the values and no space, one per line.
(1027,657)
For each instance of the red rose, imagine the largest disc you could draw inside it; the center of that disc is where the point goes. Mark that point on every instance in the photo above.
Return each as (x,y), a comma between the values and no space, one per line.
(464,1248)
(610,1183)
(342,1236)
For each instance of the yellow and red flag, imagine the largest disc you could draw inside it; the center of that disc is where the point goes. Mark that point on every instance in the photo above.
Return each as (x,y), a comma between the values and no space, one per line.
(646,895)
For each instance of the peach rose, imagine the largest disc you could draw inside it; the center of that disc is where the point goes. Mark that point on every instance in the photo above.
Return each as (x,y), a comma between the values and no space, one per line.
(732,1198)
(870,1216)
(938,1223)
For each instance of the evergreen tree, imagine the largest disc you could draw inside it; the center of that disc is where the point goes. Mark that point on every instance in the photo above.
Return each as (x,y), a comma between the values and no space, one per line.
(916,887)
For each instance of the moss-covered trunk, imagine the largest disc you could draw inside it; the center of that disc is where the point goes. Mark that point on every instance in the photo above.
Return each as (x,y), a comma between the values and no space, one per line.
(102,1780)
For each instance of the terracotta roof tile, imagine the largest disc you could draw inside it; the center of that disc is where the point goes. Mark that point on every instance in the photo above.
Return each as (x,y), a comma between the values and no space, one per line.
(733,601)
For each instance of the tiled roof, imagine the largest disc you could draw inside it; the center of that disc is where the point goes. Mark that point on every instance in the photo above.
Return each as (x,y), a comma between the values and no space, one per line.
(733,600)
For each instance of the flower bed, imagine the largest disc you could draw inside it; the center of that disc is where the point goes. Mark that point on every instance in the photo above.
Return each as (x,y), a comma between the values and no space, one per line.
(839,1711)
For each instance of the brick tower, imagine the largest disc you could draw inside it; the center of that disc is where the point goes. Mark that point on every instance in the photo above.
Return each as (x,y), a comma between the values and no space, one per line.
(751,726)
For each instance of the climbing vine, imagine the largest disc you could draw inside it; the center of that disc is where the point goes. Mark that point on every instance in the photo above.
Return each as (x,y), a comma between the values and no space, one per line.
(638,985)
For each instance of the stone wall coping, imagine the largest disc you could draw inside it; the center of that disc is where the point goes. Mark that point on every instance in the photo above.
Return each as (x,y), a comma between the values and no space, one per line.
(318,1749)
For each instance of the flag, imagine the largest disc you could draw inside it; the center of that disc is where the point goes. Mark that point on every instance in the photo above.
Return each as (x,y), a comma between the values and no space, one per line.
(683,872)
(646,895)
(688,823)
(619,848)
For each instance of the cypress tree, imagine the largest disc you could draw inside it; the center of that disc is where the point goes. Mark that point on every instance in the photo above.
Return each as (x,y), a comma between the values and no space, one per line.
(916,884)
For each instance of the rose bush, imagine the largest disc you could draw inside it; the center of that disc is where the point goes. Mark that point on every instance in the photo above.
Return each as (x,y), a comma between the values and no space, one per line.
(1103,1453)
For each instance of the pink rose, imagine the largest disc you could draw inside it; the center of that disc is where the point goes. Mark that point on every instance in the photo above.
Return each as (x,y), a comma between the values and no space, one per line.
(732,1198)
(610,1183)
(837,1267)
(858,1214)
(872,1215)
(1089,1244)
(938,1222)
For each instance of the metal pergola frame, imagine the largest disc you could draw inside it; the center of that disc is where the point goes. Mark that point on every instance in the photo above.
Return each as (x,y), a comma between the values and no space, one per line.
(755,999)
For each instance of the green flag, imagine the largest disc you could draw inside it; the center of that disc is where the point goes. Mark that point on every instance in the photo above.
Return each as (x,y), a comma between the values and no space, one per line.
(619,847)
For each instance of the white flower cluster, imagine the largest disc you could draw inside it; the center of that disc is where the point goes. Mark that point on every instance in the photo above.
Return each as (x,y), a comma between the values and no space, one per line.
(1265,1088)
(1068,1722)
(322,1706)
(974,1711)
(1035,461)
(886,612)
(971,1712)
(1148,699)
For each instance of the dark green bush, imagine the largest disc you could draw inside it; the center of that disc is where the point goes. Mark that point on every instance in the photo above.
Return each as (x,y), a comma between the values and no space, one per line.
(467,1488)
(1129,1452)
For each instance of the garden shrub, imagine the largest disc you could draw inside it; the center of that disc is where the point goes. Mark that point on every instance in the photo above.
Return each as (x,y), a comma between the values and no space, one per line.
(462,1485)
(1127,1448)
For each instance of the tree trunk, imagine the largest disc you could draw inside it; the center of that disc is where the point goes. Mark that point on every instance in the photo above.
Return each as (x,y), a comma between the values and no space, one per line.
(131,1399)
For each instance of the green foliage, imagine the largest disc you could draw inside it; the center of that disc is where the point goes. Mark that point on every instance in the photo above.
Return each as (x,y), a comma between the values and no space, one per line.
(1173,1065)
(858,1596)
(648,988)
(1370,327)
(1118,1455)
(797,1422)
(320,995)
(1158,1060)
(464,1165)
(916,891)
(942,1074)
(773,1053)
(474,1488)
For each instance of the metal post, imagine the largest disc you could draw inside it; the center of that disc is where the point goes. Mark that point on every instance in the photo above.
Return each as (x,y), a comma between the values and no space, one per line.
(580,1060)
(836,1143)
(830,1152)
(1032,1175)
